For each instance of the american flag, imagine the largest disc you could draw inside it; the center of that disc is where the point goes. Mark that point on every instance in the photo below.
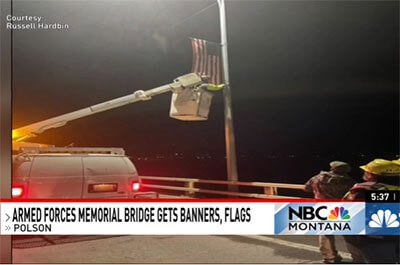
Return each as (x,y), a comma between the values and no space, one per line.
(207,61)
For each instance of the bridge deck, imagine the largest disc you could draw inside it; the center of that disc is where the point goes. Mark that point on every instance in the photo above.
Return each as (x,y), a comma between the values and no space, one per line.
(177,249)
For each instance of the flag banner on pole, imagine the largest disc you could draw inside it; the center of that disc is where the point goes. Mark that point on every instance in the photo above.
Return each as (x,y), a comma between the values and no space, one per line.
(207,61)
(197,217)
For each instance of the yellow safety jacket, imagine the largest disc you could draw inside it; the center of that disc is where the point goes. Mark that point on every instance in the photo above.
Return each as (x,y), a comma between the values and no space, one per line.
(357,191)
(213,87)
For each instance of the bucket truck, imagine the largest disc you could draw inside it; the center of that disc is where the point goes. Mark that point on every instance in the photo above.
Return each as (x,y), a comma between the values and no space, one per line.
(43,171)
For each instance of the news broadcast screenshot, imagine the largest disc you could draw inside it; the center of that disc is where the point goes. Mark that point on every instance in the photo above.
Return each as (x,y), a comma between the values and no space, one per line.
(199,132)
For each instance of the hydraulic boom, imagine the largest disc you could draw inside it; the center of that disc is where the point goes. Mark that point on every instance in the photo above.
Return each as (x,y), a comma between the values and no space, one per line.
(21,134)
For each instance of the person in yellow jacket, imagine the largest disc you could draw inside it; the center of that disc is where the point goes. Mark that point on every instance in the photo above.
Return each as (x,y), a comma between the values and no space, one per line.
(214,87)
(379,174)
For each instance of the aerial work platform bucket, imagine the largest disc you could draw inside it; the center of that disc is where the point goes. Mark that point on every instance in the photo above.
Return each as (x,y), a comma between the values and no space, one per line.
(190,105)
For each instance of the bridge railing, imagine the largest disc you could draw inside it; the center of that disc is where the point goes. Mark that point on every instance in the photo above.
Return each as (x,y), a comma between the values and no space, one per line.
(268,190)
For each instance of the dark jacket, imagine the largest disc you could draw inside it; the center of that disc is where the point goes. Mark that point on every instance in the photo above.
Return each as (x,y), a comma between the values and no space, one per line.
(329,185)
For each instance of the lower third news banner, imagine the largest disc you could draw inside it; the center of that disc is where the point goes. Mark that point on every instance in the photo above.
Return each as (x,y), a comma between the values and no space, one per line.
(194,217)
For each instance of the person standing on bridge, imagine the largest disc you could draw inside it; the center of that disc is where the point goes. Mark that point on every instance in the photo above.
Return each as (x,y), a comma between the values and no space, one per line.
(380,175)
(331,184)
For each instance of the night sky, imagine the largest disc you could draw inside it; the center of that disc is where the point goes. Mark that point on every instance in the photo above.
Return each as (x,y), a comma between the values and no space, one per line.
(307,78)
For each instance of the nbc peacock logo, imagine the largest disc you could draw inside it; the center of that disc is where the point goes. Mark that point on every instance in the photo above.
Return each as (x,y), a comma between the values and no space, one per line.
(383,218)
(339,213)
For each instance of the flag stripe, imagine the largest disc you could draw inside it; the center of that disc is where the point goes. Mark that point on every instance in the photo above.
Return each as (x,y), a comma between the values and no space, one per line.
(194,56)
(200,57)
(205,58)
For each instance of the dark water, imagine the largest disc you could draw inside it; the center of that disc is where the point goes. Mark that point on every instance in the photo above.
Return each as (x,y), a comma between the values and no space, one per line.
(284,170)
(289,169)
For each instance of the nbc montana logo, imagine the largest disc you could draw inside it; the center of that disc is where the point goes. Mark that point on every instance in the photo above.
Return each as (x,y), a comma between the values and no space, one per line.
(382,219)
(339,213)
(318,218)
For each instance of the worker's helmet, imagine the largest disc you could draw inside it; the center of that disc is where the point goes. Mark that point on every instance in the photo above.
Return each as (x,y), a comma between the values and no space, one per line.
(382,167)
(396,161)
(340,167)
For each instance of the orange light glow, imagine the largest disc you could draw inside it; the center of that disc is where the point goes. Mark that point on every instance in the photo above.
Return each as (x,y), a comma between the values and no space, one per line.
(15,135)
(16,145)
(21,135)
(104,187)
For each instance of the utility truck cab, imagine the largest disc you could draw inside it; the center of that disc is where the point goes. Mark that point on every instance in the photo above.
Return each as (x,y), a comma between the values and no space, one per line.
(72,172)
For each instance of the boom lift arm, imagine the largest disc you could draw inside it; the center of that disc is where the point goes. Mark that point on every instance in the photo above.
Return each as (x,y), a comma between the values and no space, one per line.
(21,134)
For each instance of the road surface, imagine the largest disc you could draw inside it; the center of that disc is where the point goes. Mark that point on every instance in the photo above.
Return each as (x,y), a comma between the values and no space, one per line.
(170,249)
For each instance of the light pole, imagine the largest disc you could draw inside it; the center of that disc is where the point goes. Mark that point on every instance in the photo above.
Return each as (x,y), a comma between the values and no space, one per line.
(229,134)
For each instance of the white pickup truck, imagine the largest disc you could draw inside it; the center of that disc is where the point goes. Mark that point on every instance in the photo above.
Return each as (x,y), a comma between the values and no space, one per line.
(69,172)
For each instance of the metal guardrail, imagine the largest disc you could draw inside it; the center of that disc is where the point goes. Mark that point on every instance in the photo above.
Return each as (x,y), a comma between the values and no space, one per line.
(270,190)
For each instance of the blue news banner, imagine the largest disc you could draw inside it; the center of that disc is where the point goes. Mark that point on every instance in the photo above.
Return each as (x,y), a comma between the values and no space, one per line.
(379,215)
